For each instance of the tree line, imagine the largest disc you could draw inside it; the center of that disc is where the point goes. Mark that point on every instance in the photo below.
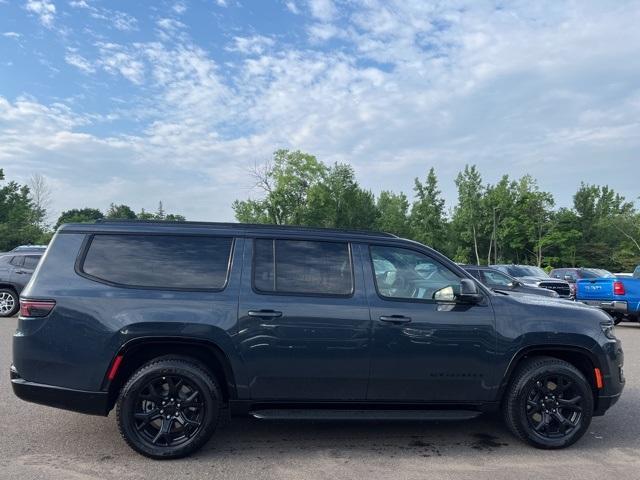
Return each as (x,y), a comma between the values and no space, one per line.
(24,209)
(511,221)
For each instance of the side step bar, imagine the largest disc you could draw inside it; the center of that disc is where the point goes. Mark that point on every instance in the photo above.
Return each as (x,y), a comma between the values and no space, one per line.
(330,414)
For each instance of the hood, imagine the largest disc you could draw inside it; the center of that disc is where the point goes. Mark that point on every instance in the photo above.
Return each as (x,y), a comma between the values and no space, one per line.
(533,279)
(558,303)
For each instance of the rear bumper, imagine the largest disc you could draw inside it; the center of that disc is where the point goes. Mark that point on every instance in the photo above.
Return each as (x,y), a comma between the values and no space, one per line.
(617,306)
(92,403)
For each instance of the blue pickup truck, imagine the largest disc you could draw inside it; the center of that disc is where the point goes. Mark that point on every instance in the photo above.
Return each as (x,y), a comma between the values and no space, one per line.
(620,296)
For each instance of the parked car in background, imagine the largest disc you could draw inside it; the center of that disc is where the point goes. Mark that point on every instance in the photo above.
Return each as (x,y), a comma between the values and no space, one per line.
(572,275)
(620,296)
(497,280)
(536,277)
(177,324)
(16,268)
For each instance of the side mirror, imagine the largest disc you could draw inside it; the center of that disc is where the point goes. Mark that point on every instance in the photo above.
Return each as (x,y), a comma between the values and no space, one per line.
(466,292)
(469,292)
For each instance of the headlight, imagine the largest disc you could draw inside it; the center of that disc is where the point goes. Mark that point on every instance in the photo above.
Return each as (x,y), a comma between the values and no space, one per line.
(609,330)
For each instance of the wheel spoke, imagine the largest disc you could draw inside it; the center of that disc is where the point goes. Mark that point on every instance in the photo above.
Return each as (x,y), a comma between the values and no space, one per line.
(164,431)
(146,417)
(190,400)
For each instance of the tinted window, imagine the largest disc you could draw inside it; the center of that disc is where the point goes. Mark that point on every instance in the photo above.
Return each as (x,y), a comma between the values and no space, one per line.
(17,261)
(402,273)
(305,267)
(496,278)
(31,261)
(474,272)
(160,261)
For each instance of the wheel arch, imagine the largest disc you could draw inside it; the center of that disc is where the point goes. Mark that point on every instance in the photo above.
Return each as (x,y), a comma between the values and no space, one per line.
(137,352)
(581,358)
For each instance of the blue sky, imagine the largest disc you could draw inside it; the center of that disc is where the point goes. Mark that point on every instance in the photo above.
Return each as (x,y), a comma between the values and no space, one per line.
(136,102)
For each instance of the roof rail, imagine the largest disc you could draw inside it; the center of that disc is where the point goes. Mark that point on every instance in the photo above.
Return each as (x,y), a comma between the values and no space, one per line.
(247,226)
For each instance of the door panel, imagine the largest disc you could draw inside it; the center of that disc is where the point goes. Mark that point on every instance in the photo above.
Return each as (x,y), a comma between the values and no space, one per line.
(303,347)
(436,352)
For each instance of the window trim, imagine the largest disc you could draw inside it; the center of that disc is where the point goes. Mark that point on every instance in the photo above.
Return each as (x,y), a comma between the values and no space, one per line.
(429,301)
(257,291)
(88,240)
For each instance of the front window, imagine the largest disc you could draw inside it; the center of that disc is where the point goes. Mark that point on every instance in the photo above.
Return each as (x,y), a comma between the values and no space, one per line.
(407,274)
(497,278)
(526,271)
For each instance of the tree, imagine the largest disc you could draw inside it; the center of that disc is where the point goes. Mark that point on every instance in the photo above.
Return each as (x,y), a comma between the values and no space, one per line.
(393,213)
(284,182)
(120,212)
(40,195)
(20,220)
(427,221)
(82,215)
(337,201)
(468,212)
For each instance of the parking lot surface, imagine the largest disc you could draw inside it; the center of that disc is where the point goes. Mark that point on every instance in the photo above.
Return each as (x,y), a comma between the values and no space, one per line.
(44,443)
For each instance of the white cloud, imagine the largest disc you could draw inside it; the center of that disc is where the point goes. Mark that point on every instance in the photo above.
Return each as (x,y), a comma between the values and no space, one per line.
(292,7)
(179,7)
(117,59)
(78,61)
(11,34)
(255,44)
(44,9)
(221,3)
(322,9)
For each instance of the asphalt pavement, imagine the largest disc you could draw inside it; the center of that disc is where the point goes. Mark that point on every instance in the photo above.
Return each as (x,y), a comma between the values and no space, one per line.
(44,443)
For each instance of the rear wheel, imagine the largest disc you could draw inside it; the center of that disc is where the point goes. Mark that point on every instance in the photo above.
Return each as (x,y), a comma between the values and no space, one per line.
(169,408)
(9,302)
(549,403)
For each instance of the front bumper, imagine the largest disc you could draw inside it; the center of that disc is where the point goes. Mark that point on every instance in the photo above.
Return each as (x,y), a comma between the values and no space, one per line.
(92,403)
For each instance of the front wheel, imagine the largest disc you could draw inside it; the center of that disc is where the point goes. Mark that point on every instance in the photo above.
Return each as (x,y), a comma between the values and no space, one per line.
(169,408)
(549,404)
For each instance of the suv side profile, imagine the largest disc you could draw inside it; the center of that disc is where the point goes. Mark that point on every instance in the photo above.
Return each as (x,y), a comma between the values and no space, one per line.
(177,324)
(16,268)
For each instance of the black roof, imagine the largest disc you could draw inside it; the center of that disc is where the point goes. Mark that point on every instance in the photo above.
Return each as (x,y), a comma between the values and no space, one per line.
(477,267)
(237,228)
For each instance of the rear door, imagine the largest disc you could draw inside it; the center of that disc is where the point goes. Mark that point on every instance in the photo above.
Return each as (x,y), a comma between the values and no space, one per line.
(22,273)
(424,350)
(304,325)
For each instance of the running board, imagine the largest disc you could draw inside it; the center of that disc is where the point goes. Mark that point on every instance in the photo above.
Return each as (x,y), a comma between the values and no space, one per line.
(330,414)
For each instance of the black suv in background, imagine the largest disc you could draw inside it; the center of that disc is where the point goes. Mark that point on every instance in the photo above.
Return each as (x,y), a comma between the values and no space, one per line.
(16,268)
(497,280)
(176,324)
(536,277)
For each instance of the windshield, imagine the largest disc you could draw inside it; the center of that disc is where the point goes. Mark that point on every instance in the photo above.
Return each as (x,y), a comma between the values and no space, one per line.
(525,271)
(596,273)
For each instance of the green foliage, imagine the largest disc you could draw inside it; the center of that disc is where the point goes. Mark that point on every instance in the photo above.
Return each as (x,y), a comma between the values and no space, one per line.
(20,219)
(79,215)
(120,212)
(513,221)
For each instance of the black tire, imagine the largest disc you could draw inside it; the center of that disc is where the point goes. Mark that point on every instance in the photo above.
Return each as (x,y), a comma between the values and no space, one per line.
(617,319)
(157,416)
(10,302)
(542,397)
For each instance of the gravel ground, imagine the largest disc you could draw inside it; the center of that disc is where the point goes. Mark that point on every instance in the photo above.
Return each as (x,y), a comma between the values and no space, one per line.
(45,443)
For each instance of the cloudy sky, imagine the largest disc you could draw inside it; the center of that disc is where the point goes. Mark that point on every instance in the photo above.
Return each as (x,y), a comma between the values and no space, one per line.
(135,102)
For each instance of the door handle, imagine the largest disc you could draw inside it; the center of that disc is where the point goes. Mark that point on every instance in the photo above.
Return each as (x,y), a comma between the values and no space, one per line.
(21,272)
(395,318)
(265,313)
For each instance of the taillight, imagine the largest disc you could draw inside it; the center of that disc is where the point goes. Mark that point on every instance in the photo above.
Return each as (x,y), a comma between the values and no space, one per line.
(618,288)
(36,308)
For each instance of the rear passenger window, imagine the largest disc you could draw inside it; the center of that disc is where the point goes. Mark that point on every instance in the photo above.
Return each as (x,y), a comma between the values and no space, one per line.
(31,261)
(17,261)
(160,261)
(302,267)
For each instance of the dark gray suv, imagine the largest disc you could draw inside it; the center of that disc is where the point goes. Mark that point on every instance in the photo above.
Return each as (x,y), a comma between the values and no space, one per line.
(16,268)
(174,325)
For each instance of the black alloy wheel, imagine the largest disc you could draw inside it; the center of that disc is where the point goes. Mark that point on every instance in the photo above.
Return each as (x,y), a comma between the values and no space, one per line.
(169,408)
(549,403)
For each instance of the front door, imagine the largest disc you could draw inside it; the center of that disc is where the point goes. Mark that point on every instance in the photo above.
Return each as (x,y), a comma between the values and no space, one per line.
(304,325)
(425,350)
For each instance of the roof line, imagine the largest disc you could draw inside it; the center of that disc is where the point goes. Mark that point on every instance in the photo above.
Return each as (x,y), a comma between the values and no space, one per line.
(247,226)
